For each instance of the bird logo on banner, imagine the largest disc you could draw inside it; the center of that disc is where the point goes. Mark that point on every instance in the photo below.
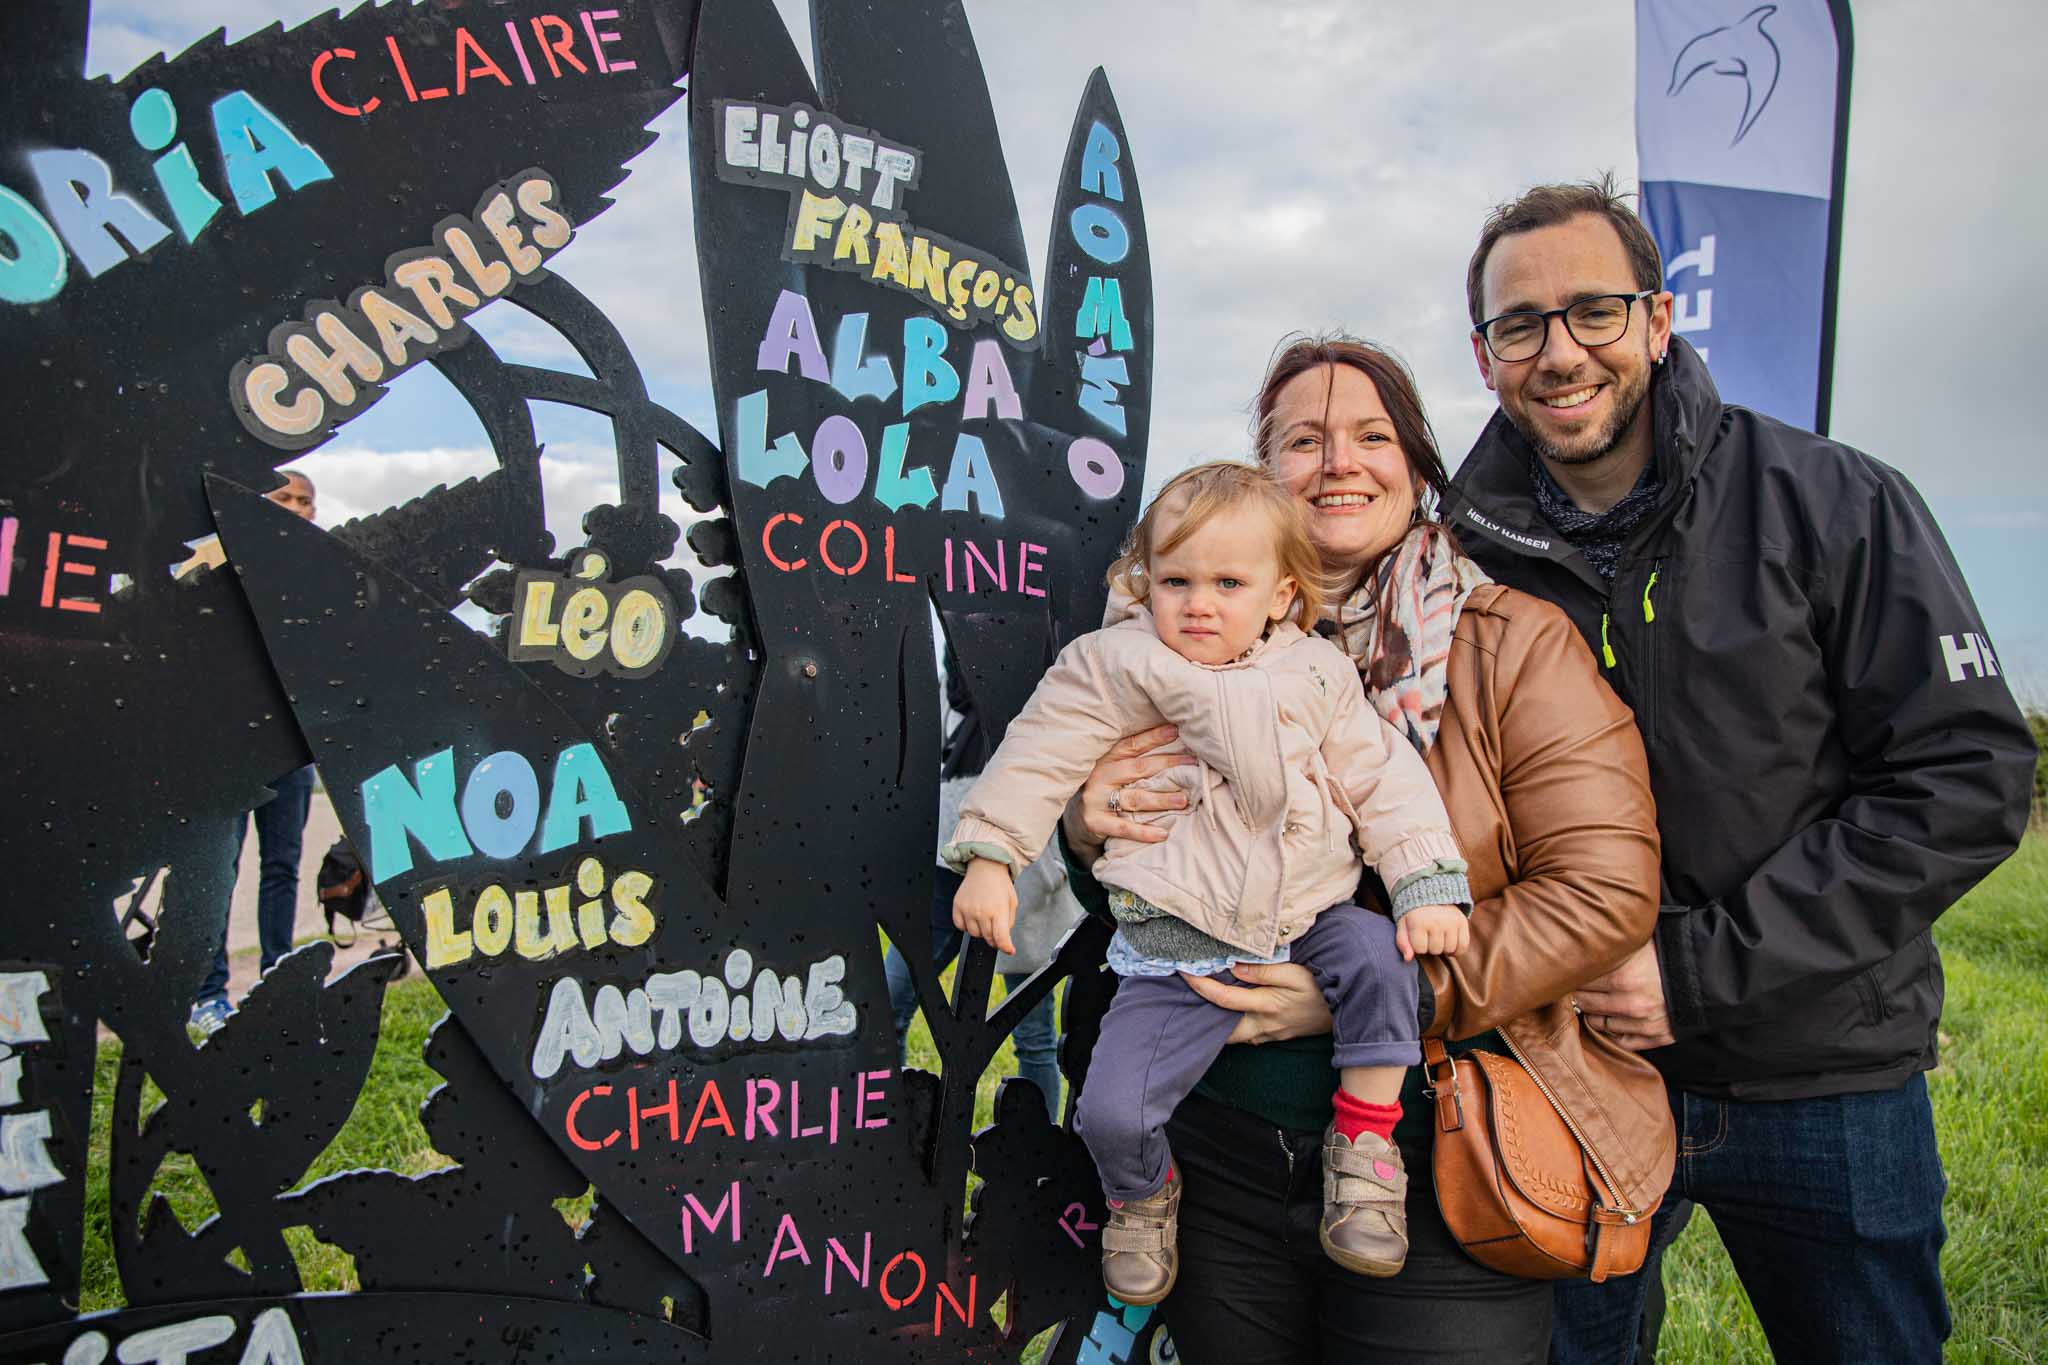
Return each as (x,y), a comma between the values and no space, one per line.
(1741,49)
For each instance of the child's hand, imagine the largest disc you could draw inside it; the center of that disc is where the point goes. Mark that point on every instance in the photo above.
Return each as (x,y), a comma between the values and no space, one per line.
(986,903)
(1438,929)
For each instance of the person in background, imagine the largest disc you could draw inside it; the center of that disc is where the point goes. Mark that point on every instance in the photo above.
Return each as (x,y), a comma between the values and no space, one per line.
(1046,910)
(1835,759)
(280,822)
(296,495)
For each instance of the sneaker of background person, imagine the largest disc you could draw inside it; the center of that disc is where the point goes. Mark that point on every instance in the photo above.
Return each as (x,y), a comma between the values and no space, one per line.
(211,1016)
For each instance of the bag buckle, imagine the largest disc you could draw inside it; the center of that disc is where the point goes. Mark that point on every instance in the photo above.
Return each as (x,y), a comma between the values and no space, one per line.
(1442,1070)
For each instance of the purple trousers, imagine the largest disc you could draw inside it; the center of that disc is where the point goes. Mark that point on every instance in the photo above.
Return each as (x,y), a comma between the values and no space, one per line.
(1159,1037)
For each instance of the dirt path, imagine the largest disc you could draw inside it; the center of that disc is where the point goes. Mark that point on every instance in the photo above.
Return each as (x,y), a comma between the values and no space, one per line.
(322,829)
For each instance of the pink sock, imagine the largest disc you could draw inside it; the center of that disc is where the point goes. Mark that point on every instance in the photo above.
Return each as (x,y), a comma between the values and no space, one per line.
(1355,1116)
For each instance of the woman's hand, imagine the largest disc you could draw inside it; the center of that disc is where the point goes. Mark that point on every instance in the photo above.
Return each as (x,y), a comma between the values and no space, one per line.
(1091,820)
(1282,1001)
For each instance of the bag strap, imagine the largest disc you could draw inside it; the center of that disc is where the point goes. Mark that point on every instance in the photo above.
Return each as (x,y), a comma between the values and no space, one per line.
(1607,1251)
(1611,1253)
(1450,1103)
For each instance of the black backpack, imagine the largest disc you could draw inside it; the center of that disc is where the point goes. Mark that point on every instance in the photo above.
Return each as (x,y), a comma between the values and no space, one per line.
(344,891)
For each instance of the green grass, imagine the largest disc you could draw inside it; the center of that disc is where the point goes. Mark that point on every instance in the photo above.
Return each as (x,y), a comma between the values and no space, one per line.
(1991,1114)
(1990,1105)
(918,1052)
(383,1131)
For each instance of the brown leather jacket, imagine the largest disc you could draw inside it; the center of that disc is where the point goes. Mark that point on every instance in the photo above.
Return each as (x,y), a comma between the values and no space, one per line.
(1543,772)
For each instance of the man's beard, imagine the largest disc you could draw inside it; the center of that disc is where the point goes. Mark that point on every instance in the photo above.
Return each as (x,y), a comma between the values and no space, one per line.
(1598,445)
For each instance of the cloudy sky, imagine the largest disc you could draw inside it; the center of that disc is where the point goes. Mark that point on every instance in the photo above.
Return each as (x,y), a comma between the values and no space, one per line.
(1326,165)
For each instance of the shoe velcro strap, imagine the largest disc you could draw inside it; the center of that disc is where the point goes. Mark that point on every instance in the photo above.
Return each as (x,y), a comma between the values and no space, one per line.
(1350,1177)
(1352,1189)
(1152,1239)
(1343,1157)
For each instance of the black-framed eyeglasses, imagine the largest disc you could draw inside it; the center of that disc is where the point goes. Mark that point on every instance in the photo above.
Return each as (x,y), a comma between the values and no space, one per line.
(1600,320)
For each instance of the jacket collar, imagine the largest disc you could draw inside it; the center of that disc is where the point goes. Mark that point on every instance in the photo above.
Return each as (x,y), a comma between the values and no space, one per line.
(1492,496)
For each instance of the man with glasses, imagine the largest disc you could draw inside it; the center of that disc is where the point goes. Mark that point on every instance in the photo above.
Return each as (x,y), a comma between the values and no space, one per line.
(1834,755)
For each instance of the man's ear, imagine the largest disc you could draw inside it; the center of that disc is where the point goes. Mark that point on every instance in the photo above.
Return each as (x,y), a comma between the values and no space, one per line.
(1485,359)
(1660,325)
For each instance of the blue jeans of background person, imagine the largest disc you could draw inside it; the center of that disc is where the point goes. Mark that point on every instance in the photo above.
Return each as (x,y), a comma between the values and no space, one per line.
(1037,1037)
(280,835)
(1831,1212)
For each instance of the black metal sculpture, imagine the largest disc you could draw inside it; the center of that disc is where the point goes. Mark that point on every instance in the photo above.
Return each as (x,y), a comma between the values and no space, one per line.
(211,264)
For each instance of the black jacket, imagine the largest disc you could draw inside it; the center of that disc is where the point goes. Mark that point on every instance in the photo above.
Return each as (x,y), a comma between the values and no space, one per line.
(965,752)
(1834,756)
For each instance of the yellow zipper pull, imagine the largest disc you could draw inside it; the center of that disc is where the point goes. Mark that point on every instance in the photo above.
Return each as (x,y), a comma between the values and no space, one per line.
(1606,650)
(1650,612)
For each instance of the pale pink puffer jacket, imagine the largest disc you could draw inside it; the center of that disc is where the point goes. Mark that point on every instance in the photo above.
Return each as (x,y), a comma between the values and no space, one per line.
(1294,768)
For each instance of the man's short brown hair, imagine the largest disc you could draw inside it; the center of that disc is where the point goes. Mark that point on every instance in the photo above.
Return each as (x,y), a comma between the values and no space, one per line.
(1547,206)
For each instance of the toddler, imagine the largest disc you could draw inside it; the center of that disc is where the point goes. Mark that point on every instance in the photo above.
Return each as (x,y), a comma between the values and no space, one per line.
(1295,776)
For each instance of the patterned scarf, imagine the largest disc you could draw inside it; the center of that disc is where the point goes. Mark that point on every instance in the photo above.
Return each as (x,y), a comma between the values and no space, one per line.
(1598,536)
(1401,651)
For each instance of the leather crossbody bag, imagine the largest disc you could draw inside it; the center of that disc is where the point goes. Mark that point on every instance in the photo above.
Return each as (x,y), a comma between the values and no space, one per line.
(1518,1188)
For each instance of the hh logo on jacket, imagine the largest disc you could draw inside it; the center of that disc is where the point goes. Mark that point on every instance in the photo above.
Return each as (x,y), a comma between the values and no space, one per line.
(1972,652)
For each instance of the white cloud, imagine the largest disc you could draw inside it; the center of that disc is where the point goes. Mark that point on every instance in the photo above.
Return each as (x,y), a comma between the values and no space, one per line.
(354,481)
(1327,165)
(125,34)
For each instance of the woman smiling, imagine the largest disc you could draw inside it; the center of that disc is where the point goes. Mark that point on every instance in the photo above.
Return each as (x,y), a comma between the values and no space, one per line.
(1542,772)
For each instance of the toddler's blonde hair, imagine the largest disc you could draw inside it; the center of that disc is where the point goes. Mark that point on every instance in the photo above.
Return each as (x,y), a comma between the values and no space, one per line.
(1196,496)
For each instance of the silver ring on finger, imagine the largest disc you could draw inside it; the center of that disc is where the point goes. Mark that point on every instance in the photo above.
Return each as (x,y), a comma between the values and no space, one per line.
(1116,800)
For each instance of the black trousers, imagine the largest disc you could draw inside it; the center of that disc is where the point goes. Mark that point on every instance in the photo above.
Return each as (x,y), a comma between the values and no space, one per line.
(1256,1289)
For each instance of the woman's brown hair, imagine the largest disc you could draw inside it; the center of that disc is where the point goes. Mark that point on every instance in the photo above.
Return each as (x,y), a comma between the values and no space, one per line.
(1300,354)
(1194,497)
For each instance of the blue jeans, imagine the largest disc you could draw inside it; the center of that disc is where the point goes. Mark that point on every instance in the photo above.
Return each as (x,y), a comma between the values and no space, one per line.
(1831,1212)
(280,834)
(1037,1037)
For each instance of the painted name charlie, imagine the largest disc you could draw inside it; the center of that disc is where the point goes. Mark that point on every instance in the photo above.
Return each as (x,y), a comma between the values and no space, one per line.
(846,213)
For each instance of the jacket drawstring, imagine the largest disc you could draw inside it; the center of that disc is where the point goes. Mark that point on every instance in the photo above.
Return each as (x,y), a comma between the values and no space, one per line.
(1649,615)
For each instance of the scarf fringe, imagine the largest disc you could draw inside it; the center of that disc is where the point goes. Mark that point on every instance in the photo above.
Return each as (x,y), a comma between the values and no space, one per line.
(1397,627)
